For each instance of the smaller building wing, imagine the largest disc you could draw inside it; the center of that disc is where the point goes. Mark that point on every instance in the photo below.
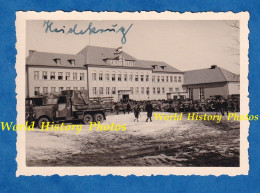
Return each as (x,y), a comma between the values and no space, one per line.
(210,75)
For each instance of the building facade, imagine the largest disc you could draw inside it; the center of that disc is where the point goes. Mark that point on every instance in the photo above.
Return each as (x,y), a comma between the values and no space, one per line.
(109,72)
(103,72)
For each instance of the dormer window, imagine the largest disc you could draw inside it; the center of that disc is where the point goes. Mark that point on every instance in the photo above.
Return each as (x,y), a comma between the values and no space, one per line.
(58,61)
(163,67)
(72,62)
(155,67)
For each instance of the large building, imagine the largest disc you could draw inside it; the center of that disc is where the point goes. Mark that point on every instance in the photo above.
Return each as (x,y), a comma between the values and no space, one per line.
(104,72)
(110,72)
(203,83)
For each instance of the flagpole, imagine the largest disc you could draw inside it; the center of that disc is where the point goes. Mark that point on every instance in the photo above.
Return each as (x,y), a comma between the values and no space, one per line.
(122,55)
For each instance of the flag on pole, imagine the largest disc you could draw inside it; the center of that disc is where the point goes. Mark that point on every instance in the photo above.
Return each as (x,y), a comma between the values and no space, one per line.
(119,50)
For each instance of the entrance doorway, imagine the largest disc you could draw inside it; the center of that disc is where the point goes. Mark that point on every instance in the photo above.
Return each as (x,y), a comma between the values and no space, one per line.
(125,97)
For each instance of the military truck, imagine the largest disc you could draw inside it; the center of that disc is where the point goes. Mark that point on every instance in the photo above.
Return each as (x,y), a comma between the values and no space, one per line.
(68,106)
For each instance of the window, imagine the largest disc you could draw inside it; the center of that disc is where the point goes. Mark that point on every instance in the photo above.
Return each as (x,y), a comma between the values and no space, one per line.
(158,90)
(62,100)
(94,90)
(53,89)
(130,77)
(147,78)
(170,89)
(147,90)
(58,61)
(107,90)
(153,79)
(36,75)
(82,88)
(44,75)
(107,76)
(101,90)
(36,90)
(72,62)
(171,78)
(163,90)
(125,77)
(60,88)
(81,76)
(132,90)
(137,90)
(113,90)
(67,76)
(136,78)
(176,89)
(75,88)
(162,78)
(75,76)
(52,75)
(154,90)
(167,78)
(179,79)
(119,77)
(100,77)
(175,78)
(94,76)
(142,90)
(190,90)
(45,89)
(142,78)
(201,93)
(67,88)
(158,78)
(113,77)
(60,75)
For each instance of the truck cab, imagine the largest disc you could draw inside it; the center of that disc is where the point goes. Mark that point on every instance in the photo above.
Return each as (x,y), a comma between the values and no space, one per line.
(68,106)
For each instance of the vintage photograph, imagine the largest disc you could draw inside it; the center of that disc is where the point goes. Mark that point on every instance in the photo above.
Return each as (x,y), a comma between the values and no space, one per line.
(134,93)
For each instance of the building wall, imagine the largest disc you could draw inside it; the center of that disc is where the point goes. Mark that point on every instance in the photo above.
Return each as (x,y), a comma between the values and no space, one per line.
(209,90)
(173,84)
(126,85)
(34,82)
(234,88)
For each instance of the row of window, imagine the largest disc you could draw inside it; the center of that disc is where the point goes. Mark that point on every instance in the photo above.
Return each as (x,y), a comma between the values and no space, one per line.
(52,76)
(142,78)
(143,90)
(37,90)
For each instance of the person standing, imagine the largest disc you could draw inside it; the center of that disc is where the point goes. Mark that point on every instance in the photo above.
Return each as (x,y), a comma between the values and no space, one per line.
(149,110)
(137,112)
(128,108)
(117,108)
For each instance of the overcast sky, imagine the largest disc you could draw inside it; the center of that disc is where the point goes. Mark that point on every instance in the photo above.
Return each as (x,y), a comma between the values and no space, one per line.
(186,45)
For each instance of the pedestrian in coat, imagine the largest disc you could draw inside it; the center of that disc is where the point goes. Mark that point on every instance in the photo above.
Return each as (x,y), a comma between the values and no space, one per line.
(137,112)
(128,108)
(149,110)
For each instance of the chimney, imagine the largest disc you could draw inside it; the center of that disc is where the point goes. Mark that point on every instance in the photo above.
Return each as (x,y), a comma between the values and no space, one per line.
(213,66)
(31,52)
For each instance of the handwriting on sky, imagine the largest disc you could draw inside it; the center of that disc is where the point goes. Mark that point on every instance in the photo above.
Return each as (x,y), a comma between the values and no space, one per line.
(90,29)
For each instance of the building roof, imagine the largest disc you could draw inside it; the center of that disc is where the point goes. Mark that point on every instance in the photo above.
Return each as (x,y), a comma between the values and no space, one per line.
(162,66)
(98,55)
(209,75)
(50,59)
(95,56)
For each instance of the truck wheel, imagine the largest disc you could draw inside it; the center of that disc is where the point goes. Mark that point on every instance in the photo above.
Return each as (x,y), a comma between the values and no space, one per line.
(42,121)
(87,119)
(99,117)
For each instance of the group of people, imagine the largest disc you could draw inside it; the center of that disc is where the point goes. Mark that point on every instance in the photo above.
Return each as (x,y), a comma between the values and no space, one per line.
(137,109)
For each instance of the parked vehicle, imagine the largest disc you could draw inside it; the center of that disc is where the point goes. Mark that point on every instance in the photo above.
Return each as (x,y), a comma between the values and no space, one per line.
(68,106)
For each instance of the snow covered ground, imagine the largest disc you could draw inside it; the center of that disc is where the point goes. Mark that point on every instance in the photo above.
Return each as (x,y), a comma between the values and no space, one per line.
(157,143)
